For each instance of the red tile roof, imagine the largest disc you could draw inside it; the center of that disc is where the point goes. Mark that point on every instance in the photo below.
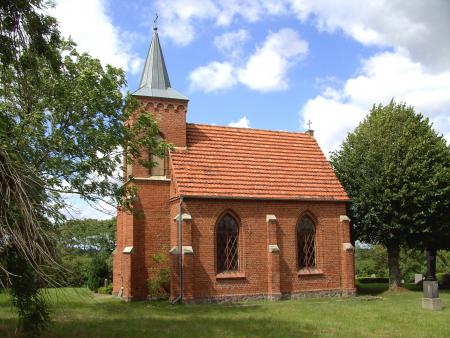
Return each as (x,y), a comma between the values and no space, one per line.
(250,163)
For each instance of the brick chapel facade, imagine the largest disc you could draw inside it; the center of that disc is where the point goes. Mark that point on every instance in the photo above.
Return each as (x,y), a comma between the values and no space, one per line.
(249,213)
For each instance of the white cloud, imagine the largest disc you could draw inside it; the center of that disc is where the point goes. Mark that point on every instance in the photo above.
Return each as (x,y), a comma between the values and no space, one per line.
(418,26)
(243,122)
(266,70)
(231,43)
(382,77)
(212,77)
(89,25)
(180,18)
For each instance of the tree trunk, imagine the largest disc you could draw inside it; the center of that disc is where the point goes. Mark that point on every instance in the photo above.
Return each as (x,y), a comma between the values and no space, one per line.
(393,250)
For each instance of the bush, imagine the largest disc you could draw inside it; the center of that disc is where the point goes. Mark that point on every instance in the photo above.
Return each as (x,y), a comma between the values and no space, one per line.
(159,286)
(370,280)
(444,280)
(98,271)
(106,290)
(78,273)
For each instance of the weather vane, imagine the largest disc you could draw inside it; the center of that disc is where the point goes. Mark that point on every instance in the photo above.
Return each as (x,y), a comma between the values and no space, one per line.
(155,27)
(309,124)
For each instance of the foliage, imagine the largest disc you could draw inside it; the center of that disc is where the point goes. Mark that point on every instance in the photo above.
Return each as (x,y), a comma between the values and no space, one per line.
(371,280)
(159,285)
(371,260)
(412,261)
(62,131)
(98,271)
(79,241)
(444,280)
(396,170)
(88,235)
(26,295)
(77,267)
(106,290)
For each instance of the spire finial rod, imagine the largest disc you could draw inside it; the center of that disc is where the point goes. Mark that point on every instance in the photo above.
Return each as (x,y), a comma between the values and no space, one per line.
(155,26)
(309,124)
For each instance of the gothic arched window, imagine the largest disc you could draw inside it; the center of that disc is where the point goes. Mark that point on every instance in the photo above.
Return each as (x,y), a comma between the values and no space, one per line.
(227,244)
(306,243)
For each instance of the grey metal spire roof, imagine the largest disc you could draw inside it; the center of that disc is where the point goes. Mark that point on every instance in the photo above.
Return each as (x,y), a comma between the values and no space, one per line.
(155,79)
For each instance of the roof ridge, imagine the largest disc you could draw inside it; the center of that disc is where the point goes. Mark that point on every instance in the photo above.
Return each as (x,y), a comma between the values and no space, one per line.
(249,129)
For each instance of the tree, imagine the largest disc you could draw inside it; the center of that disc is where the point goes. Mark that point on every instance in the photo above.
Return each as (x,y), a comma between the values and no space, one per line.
(88,235)
(62,131)
(85,245)
(396,169)
(370,260)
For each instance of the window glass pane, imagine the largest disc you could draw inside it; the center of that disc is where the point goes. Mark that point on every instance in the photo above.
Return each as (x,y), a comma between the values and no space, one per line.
(306,243)
(227,244)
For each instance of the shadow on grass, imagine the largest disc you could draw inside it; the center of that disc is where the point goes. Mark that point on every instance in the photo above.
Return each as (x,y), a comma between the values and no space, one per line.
(160,320)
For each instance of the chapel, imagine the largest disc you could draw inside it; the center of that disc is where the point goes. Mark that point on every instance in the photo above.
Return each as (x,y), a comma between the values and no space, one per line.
(231,213)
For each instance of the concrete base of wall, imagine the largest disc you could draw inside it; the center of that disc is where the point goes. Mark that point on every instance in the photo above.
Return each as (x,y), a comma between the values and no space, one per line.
(313,294)
(272,297)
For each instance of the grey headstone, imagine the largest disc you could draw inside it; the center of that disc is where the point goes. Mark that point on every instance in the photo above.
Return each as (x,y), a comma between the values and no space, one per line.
(418,277)
(430,289)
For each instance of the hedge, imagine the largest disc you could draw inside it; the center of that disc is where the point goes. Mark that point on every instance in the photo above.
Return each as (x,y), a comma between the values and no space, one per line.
(368,280)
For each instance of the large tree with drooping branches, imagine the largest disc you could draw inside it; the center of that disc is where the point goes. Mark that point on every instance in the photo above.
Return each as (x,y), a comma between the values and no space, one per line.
(62,131)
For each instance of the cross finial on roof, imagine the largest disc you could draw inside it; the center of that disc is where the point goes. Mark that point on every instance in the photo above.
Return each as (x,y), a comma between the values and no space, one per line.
(155,26)
(309,124)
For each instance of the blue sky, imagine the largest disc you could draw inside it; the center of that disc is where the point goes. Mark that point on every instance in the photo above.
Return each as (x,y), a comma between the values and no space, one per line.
(276,64)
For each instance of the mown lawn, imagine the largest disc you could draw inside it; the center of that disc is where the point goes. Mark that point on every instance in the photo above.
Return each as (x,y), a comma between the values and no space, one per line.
(76,313)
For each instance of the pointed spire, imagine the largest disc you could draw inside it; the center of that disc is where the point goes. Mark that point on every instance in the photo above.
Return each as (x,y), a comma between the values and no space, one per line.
(155,72)
(155,79)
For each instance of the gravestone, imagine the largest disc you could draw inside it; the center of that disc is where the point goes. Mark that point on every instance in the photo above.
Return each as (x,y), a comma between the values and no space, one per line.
(431,300)
(418,277)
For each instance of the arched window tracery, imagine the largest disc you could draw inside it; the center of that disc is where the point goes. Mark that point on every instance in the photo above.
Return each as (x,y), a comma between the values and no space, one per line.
(227,244)
(306,243)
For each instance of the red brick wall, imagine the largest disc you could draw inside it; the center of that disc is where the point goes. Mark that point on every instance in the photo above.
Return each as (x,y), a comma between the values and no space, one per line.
(149,234)
(121,261)
(171,117)
(254,247)
(157,232)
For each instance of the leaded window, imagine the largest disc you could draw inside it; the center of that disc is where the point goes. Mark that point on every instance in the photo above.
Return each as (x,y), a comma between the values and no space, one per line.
(306,243)
(227,244)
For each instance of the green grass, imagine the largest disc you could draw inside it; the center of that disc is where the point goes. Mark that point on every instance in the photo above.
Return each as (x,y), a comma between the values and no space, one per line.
(76,313)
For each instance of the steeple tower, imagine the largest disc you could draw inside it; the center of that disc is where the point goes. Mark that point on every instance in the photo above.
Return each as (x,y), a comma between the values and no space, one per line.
(156,95)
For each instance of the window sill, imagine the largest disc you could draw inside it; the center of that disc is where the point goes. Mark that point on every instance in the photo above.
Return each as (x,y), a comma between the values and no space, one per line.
(230,275)
(309,272)
(153,178)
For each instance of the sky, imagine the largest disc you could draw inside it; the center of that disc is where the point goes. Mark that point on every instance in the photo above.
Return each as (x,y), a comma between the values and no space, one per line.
(277,64)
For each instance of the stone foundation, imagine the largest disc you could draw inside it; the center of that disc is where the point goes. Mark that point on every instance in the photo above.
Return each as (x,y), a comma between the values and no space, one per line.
(285,296)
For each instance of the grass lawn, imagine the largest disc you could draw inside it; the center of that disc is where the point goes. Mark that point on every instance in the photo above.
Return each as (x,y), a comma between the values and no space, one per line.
(76,313)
